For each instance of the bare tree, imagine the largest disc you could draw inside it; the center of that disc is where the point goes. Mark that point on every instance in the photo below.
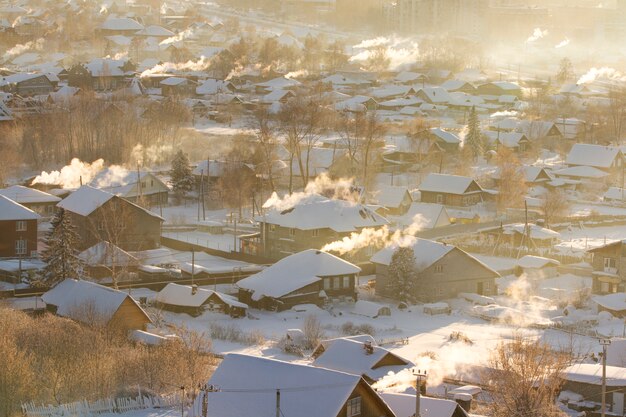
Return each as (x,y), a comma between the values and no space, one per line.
(524,378)
(513,186)
(617,111)
(267,144)
(555,206)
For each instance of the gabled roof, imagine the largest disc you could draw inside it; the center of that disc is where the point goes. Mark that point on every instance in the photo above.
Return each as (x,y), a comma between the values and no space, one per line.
(305,388)
(445,183)
(294,272)
(587,373)
(279,83)
(213,86)
(436,95)
(403,405)
(154,30)
(121,23)
(426,253)
(318,212)
(445,136)
(531,261)
(351,356)
(408,76)
(123,182)
(107,255)
(596,156)
(391,196)
(26,195)
(72,297)
(10,210)
(430,215)
(85,200)
(182,296)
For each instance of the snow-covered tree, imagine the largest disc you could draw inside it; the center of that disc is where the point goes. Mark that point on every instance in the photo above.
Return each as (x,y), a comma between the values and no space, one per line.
(402,274)
(473,139)
(181,175)
(61,255)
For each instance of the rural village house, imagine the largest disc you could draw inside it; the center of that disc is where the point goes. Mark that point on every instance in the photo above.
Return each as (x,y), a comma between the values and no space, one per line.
(18,229)
(36,200)
(609,268)
(451,190)
(193,301)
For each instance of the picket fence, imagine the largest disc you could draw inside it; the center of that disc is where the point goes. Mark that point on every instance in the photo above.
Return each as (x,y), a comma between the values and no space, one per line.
(94,408)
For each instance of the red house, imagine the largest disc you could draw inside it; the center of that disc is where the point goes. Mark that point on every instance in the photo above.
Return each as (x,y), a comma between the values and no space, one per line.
(18,229)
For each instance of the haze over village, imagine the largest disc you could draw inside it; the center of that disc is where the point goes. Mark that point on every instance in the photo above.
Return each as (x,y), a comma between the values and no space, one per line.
(312,208)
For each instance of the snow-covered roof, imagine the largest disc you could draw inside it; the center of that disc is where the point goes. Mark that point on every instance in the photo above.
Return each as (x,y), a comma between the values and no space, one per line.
(445,183)
(536,232)
(182,296)
(121,23)
(531,261)
(107,255)
(403,405)
(446,136)
(369,309)
(615,193)
(592,374)
(596,156)
(352,357)
(338,80)
(614,302)
(26,195)
(74,298)
(580,171)
(294,272)
(408,76)
(154,30)
(452,85)
(318,212)
(391,196)
(305,388)
(213,86)
(431,215)
(279,83)
(105,67)
(85,200)
(436,95)
(426,252)
(276,95)
(172,81)
(10,210)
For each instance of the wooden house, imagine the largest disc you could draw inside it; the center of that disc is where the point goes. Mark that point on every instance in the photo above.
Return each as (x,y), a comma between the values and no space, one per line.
(99,215)
(139,187)
(314,222)
(445,140)
(586,380)
(403,405)
(451,190)
(104,260)
(94,304)
(536,268)
(394,200)
(18,229)
(613,303)
(609,268)
(441,271)
(367,359)
(604,158)
(26,84)
(335,394)
(177,86)
(41,202)
(194,301)
(499,88)
(307,277)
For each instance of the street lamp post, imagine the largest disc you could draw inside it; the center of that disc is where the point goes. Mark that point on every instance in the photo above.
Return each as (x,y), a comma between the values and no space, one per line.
(604,343)
(419,375)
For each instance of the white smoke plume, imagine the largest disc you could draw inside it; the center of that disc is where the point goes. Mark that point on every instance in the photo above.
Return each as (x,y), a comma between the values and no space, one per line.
(342,189)
(537,34)
(605,73)
(562,44)
(505,113)
(19,49)
(178,37)
(296,74)
(199,65)
(402,52)
(150,155)
(378,238)
(70,176)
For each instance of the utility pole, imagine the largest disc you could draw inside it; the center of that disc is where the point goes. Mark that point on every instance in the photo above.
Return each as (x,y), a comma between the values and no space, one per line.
(182,401)
(604,343)
(418,390)
(277,403)
(202,193)
(193,263)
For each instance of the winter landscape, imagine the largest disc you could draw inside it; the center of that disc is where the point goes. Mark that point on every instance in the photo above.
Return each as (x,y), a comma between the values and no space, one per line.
(312,208)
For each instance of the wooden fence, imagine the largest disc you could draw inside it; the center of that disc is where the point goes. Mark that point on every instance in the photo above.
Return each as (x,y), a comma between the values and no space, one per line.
(94,408)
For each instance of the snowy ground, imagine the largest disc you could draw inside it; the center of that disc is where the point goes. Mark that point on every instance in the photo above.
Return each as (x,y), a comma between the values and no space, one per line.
(577,240)
(429,343)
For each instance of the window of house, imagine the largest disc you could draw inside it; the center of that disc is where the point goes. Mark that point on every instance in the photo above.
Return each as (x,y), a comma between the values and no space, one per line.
(354,407)
(20,225)
(487,287)
(327,285)
(337,283)
(143,184)
(272,227)
(439,199)
(346,282)
(438,269)
(292,232)
(101,225)
(50,209)
(151,183)
(439,291)
(609,263)
(315,232)
(20,247)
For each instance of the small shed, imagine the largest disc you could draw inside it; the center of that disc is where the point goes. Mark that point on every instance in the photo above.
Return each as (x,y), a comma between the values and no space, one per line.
(194,301)
(613,303)
(537,267)
(370,309)
(437,308)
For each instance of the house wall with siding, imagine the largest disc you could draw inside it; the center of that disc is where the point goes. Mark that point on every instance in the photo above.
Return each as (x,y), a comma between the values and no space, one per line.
(130,316)
(371,404)
(9,235)
(593,393)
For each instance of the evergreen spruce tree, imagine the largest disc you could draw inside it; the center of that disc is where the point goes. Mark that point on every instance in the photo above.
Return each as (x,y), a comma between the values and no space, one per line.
(61,256)
(181,175)
(402,274)
(473,139)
